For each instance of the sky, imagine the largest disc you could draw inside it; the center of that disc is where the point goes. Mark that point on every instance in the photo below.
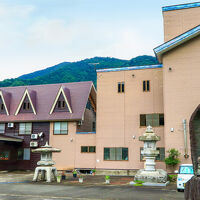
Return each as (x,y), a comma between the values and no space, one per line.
(37,34)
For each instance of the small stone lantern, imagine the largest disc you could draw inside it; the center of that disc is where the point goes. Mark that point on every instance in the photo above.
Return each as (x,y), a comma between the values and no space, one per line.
(46,163)
(150,174)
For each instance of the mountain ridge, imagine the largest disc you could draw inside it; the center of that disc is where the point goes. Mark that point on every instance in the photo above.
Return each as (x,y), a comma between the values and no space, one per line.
(84,70)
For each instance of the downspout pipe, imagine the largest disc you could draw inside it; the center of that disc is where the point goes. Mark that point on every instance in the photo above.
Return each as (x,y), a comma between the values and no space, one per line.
(185,139)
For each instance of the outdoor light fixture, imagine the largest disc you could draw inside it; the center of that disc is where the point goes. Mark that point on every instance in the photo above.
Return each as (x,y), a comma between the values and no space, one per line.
(170,69)
(133,136)
(172,129)
(133,75)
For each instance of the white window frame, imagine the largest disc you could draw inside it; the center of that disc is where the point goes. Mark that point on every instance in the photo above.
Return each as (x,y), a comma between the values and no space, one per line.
(57,128)
(25,131)
(2,128)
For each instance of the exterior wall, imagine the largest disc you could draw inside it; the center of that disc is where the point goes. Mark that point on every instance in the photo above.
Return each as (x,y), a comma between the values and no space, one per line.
(37,127)
(177,22)
(118,114)
(87,124)
(70,156)
(181,92)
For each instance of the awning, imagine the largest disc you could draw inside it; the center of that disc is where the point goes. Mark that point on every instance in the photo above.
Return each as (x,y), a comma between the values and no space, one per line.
(10,138)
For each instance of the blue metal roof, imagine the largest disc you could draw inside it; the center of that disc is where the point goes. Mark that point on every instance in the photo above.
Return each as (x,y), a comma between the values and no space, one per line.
(130,68)
(177,41)
(181,6)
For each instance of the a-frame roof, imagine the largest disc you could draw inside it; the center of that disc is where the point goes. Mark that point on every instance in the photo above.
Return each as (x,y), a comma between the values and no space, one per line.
(5,96)
(31,94)
(45,98)
(66,94)
(171,44)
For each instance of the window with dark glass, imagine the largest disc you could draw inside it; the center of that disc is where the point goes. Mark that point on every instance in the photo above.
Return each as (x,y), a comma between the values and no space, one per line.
(2,107)
(93,126)
(152,119)
(26,106)
(23,154)
(146,86)
(121,87)
(88,149)
(159,157)
(116,153)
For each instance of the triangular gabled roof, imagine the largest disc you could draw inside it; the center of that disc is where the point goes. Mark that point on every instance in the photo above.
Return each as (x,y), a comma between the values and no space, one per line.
(66,94)
(5,96)
(171,44)
(45,97)
(31,94)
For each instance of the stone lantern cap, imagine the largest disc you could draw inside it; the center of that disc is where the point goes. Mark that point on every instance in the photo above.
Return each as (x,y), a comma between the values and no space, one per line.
(46,148)
(149,135)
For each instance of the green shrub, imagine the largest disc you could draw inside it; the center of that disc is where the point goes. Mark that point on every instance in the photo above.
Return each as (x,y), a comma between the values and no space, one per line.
(173,157)
(138,183)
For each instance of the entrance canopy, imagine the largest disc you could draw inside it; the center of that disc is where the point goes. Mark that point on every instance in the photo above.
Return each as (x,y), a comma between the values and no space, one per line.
(10,138)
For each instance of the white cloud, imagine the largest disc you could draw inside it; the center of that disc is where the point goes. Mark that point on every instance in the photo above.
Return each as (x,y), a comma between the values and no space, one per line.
(12,11)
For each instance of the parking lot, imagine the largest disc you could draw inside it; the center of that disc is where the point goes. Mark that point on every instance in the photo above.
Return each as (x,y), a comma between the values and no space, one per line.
(18,186)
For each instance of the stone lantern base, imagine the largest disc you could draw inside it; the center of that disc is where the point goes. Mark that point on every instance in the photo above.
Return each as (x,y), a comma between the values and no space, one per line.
(157,176)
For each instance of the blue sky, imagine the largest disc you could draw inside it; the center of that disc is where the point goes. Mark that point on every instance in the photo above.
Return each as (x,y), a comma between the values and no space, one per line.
(36,34)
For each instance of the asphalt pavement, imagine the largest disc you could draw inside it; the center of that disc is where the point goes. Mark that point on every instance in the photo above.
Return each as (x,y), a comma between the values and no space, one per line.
(38,191)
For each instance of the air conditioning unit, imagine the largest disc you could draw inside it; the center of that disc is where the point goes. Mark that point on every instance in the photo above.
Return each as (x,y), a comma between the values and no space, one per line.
(33,144)
(10,125)
(34,136)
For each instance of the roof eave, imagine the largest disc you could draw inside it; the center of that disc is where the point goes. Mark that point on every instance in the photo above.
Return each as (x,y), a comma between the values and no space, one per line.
(159,51)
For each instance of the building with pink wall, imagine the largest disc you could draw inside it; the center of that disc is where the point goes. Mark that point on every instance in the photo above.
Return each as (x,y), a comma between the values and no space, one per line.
(164,96)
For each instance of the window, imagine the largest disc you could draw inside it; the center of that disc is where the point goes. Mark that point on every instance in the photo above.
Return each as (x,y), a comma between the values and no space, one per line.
(61,104)
(152,119)
(60,128)
(23,154)
(116,153)
(93,126)
(2,128)
(5,155)
(146,86)
(88,149)
(121,87)
(25,128)
(1,107)
(26,106)
(159,157)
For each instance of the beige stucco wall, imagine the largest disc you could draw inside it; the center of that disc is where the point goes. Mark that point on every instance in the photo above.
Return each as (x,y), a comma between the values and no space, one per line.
(118,114)
(177,22)
(71,156)
(181,91)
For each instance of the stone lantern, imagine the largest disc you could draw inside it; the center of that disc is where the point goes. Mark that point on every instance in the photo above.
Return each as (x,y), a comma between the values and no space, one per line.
(46,163)
(150,174)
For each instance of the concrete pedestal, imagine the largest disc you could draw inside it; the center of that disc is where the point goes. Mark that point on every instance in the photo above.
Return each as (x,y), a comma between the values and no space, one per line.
(157,176)
(46,173)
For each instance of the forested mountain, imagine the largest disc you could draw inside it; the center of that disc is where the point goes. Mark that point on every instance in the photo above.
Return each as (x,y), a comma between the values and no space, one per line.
(84,70)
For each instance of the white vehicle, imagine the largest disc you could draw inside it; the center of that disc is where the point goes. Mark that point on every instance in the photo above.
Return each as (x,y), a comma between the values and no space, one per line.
(185,173)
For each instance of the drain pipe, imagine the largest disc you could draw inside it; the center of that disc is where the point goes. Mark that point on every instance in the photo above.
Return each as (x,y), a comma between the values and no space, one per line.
(185,139)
